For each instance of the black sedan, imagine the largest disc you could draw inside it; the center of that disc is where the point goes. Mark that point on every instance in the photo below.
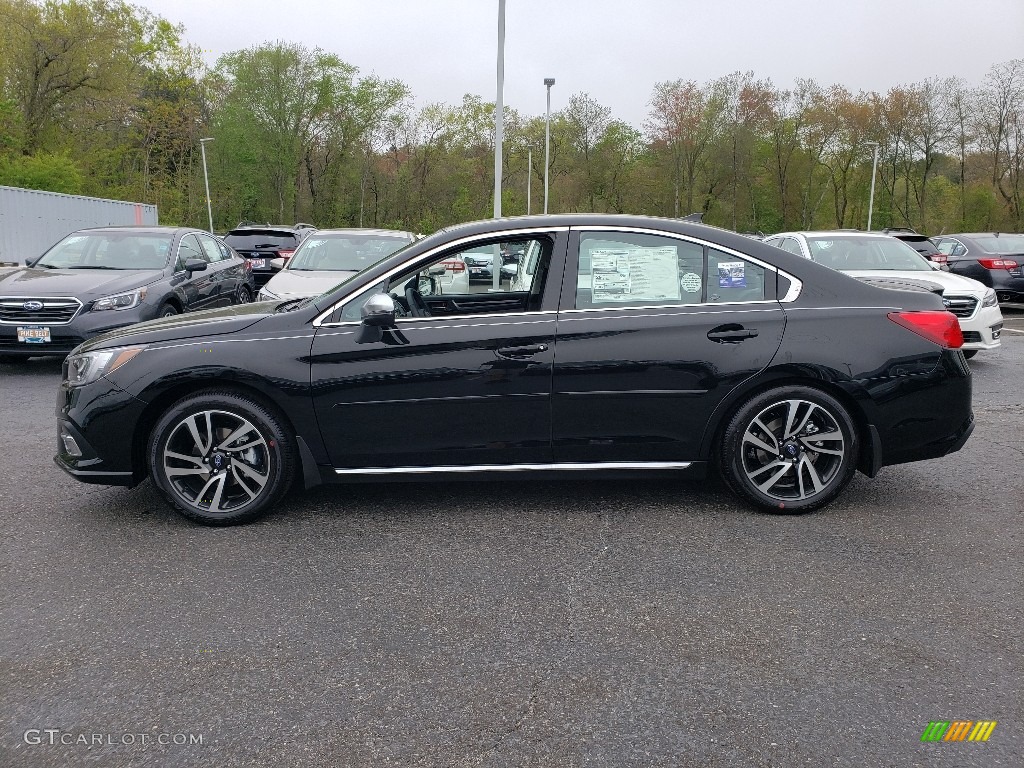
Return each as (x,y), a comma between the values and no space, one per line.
(995,259)
(631,346)
(96,280)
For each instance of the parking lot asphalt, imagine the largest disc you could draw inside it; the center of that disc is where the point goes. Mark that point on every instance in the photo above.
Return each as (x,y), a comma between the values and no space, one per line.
(586,623)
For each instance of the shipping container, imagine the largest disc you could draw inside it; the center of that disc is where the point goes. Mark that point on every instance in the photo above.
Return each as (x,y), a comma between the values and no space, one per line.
(32,220)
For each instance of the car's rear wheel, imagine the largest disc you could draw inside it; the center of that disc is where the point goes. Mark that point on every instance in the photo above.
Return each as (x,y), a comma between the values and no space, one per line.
(221,458)
(969,353)
(790,449)
(244,295)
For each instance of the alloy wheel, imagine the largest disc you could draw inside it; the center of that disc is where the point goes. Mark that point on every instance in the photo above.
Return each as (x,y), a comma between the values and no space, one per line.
(792,450)
(216,461)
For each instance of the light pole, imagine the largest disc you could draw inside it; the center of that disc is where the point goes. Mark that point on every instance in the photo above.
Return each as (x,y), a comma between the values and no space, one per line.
(499,116)
(874,169)
(529,174)
(206,180)
(548,81)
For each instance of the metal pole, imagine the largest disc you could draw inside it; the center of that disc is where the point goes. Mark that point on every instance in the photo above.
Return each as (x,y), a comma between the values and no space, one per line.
(548,81)
(499,116)
(529,179)
(874,169)
(206,180)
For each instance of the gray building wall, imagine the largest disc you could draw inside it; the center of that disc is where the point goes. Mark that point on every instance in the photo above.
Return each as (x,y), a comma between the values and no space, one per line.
(32,220)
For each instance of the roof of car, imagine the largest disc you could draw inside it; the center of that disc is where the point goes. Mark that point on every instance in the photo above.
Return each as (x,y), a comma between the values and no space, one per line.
(834,233)
(365,231)
(142,229)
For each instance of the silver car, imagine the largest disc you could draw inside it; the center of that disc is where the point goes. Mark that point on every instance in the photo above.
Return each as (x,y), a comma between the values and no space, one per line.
(328,257)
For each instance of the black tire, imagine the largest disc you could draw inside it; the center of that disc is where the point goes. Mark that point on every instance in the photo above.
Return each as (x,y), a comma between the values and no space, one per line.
(244,295)
(774,430)
(969,353)
(192,437)
(167,310)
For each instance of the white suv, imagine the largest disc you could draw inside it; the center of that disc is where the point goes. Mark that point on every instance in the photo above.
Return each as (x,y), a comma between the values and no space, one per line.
(874,255)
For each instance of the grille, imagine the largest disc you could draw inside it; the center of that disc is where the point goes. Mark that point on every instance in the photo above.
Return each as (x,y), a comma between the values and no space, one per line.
(971,337)
(51,311)
(961,306)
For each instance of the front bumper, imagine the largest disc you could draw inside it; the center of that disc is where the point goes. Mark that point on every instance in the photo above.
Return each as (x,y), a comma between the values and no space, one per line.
(101,411)
(64,338)
(983,329)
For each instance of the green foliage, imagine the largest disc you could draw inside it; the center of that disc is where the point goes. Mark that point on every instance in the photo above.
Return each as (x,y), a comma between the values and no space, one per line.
(55,173)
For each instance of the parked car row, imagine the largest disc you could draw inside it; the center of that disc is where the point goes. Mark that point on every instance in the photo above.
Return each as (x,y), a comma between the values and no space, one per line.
(874,256)
(98,280)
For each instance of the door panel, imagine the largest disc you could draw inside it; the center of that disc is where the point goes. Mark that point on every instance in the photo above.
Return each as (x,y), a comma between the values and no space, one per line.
(641,364)
(437,392)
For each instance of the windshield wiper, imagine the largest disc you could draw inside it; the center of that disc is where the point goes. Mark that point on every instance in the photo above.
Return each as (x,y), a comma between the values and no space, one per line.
(84,266)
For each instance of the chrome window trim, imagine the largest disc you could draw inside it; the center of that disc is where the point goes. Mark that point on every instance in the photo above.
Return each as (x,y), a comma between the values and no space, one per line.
(565,466)
(671,314)
(795,284)
(320,320)
(20,300)
(709,304)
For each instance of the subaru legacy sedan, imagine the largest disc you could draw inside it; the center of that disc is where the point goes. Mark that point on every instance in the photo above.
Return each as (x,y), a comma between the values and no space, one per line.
(634,347)
(96,280)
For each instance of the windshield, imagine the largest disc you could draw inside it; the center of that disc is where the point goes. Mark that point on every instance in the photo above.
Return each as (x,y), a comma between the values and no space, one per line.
(874,253)
(344,253)
(1001,243)
(108,250)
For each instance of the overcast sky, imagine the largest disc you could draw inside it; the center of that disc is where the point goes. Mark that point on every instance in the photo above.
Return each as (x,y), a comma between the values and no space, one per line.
(616,50)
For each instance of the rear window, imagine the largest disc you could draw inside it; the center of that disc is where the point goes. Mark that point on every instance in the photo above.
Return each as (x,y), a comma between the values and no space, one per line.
(261,239)
(921,244)
(1001,243)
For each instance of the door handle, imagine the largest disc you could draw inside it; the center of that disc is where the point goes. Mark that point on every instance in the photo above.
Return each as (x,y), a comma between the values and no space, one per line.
(731,333)
(520,353)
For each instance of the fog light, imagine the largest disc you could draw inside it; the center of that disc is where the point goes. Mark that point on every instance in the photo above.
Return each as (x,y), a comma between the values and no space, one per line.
(70,446)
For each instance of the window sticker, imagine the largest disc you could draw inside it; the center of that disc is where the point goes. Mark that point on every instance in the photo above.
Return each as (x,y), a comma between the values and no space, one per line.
(731,275)
(690,282)
(634,274)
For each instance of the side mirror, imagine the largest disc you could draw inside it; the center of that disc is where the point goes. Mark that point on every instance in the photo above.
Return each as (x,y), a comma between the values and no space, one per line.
(436,269)
(195,265)
(277,263)
(378,311)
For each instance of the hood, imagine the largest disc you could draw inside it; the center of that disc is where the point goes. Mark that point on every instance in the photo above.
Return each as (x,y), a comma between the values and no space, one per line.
(83,284)
(193,325)
(950,283)
(300,283)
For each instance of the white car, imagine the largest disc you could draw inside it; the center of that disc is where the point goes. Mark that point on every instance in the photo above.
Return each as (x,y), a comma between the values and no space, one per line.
(328,257)
(875,255)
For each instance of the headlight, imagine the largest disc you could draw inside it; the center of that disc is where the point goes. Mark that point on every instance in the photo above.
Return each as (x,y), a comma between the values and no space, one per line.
(120,301)
(85,368)
(265,295)
(990,299)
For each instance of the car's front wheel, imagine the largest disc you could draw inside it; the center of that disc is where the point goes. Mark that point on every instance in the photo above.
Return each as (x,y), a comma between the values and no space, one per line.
(244,295)
(790,449)
(221,458)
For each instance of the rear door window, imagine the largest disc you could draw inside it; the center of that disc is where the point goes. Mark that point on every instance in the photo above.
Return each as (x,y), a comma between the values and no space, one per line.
(633,270)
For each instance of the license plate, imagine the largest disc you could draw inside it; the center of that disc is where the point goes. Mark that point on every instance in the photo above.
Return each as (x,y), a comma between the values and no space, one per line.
(475,271)
(258,263)
(33,334)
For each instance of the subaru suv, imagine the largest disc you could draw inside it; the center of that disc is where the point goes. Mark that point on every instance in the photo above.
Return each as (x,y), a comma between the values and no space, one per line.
(261,244)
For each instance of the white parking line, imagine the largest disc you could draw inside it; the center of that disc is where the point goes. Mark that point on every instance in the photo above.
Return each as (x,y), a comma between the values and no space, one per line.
(1011,330)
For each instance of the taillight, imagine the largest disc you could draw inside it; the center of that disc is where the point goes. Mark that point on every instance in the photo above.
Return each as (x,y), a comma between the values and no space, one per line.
(939,326)
(998,263)
(454,265)
(248,265)
(286,254)
(938,258)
